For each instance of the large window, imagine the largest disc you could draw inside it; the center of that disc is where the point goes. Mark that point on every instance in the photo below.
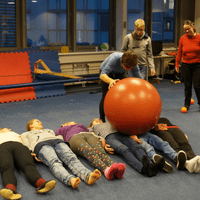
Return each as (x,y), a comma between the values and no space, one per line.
(7,23)
(92,22)
(163,24)
(135,10)
(46,22)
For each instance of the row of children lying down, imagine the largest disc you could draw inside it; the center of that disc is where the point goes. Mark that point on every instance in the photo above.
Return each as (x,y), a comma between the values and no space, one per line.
(92,143)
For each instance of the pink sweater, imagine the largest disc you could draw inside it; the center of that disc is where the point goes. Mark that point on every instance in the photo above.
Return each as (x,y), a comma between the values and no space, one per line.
(189,50)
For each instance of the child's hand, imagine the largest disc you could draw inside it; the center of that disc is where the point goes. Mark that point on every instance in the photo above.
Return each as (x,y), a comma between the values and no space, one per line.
(108,149)
(161,127)
(103,142)
(135,138)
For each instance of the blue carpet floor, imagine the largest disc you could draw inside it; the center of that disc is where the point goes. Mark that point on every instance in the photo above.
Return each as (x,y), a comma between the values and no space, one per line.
(82,107)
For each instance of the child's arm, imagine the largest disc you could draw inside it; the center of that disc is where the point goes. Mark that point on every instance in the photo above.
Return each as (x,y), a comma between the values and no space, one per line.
(135,138)
(107,147)
(160,127)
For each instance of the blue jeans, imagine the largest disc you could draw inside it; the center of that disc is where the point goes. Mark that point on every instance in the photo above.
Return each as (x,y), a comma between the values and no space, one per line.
(53,158)
(150,141)
(128,148)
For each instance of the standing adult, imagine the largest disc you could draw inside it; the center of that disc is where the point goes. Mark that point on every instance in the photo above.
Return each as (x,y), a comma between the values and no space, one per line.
(189,52)
(113,69)
(140,43)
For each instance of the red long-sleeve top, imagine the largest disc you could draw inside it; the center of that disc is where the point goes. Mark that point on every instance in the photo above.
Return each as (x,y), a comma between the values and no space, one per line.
(189,50)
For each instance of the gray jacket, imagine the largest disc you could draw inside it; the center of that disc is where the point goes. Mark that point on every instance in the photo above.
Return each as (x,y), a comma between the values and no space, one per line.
(141,47)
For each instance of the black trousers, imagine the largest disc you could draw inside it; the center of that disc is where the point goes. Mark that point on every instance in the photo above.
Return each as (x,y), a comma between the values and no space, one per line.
(104,87)
(12,153)
(176,138)
(191,75)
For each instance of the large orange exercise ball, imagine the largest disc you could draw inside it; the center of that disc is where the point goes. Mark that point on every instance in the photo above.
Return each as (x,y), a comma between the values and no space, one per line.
(132,106)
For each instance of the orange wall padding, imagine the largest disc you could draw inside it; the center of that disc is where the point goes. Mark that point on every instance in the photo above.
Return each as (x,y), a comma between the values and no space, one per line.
(15,69)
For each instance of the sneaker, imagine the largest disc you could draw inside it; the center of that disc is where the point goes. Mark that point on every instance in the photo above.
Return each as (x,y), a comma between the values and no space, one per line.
(181,159)
(46,187)
(167,167)
(10,194)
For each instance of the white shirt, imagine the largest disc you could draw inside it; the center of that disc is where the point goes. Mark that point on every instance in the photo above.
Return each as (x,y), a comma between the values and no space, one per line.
(9,137)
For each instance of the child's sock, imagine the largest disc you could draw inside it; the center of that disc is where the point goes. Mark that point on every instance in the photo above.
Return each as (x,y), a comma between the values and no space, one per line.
(191,164)
(74,182)
(39,182)
(110,171)
(121,167)
(46,186)
(94,176)
(8,193)
(11,186)
(197,167)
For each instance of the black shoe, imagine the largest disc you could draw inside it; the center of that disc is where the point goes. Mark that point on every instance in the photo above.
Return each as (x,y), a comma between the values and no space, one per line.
(46,187)
(167,167)
(181,159)
(149,169)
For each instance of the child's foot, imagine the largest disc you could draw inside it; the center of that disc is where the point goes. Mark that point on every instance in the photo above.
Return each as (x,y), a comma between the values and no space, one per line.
(46,187)
(167,167)
(149,169)
(94,176)
(10,194)
(197,167)
(74,182)
(109,172)
(121,167)
(191,165)
(181,159)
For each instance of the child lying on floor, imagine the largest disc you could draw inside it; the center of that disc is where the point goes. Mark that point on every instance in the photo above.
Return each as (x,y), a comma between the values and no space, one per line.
(87,145)
(53,152)
(178,141)
(134,154)
(12,150)
(147,140)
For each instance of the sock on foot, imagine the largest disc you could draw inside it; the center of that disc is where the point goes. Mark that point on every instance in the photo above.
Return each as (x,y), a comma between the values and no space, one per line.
(190,165)
(7,193)
(110,171)
(121,167)
(46,187)
(94,176)
(197,167)
(74,182)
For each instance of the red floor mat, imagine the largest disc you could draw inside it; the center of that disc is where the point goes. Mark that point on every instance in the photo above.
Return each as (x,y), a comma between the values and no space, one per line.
(15,69)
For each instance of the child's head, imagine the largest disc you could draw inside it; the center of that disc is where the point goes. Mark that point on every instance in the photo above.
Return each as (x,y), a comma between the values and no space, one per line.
(95,121)
(129,60)
(4,130)
(34,124)
(68,124)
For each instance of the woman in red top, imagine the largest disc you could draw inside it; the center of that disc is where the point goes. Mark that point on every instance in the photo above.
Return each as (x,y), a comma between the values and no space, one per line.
(189,52)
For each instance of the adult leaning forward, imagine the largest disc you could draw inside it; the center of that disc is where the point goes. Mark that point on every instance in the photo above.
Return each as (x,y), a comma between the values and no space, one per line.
(189,52)
(113,69)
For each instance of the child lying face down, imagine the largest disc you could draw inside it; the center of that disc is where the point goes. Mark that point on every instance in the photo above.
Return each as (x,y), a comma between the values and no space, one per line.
(12,149)
(87,145)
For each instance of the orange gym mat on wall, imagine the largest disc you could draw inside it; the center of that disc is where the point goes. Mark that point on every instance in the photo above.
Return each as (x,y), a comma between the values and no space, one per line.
(15,69)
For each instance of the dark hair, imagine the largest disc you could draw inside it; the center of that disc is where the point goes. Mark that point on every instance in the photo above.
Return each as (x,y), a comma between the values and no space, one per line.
(129,59)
